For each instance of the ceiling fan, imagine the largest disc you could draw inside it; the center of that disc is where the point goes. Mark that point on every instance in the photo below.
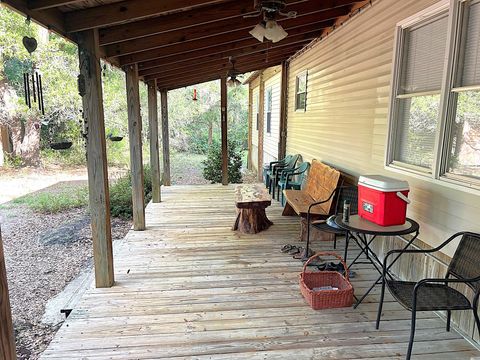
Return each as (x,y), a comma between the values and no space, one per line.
(232,74)
(268,28)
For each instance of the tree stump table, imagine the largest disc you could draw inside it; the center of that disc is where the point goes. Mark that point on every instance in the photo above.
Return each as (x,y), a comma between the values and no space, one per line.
(251,201)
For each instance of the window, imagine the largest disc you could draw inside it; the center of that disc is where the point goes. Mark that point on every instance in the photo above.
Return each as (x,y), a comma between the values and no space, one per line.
(301,92)
(268,100)
(435,103)
(257,107)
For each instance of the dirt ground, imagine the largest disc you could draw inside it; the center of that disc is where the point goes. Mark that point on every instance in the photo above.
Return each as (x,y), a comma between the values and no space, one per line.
(43,252)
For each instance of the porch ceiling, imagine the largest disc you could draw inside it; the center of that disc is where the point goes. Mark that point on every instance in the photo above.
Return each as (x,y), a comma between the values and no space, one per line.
(183,42)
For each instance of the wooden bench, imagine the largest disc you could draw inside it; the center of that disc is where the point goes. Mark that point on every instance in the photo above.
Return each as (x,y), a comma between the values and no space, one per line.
(321,182)
(251,201)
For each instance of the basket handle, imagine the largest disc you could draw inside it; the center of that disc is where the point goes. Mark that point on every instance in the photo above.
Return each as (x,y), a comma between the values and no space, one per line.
(330,254)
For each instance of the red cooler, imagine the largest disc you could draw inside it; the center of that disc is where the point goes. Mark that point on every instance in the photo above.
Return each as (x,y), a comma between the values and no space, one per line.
(382,200)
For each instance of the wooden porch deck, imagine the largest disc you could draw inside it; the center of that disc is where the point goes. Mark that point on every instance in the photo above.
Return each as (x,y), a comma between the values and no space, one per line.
(190,288)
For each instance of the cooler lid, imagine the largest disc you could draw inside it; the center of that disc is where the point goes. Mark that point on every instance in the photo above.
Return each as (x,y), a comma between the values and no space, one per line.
(383,183)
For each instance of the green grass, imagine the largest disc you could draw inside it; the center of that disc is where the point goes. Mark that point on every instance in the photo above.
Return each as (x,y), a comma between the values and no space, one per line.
(55,202)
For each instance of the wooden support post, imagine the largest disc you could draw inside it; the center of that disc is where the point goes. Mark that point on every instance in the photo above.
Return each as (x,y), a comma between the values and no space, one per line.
(223,109)
(135,137)
(250,126)
(261,117)
(7,337)
(282,144)
(153,130)
(165,138)
(99,197)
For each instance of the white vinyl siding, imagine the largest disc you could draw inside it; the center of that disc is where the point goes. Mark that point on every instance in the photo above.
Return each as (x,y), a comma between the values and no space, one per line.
(270,140)
(346,124)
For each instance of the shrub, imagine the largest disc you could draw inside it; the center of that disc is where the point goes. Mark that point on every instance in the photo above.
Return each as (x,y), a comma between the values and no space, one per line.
(213,164)
(121,194)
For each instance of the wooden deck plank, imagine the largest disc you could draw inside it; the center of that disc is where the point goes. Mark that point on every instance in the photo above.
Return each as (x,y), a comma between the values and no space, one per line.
(190,288)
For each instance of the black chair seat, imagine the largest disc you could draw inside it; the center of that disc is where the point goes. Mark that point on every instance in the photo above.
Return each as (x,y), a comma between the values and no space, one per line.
(429,297)
(329,226)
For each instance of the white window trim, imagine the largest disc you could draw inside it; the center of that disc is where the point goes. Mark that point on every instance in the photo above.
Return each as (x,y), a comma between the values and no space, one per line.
(269,88)
(304,72)
(438,173)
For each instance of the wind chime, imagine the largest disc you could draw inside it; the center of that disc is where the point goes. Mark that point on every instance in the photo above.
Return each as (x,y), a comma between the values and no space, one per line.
(32,81)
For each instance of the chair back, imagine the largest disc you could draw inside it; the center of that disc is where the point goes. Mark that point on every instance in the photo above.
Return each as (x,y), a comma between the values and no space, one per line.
(301,170)
(349,193)
(292,161)
(465,263)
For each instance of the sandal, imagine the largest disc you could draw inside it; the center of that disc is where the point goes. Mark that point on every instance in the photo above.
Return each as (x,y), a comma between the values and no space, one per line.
(286,248)
(294,250)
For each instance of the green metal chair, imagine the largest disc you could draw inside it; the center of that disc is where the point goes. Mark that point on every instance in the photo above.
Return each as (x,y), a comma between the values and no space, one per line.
(286,180)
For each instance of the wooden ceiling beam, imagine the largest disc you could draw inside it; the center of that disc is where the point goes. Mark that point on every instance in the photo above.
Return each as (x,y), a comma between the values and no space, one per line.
(181,66)
(196,17)
(178,83)
(37,5)
(128,11)
(171,22)
(239,47)
(227,40)
(51,18)
(221,69)
(307,14)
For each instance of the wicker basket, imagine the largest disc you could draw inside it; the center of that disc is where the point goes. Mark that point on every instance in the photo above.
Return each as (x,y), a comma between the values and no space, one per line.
(325,299)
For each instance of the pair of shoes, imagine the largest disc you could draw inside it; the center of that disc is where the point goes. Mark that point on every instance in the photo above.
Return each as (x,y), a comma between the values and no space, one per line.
(331,266)
(286,248)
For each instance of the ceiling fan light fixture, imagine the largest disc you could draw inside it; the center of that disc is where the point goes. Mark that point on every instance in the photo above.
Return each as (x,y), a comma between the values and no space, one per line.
(274,31)
(233,82)
(258,32)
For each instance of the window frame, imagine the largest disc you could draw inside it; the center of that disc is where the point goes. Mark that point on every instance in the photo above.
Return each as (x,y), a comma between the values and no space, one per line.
(297,105)
(456,36)
(268,109)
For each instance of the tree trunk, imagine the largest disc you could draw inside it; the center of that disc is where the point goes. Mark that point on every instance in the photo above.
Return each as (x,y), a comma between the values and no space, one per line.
(26,141)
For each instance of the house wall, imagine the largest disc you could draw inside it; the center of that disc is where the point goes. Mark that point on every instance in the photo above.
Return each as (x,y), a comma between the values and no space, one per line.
(346,123)
(271,78)
(270,140)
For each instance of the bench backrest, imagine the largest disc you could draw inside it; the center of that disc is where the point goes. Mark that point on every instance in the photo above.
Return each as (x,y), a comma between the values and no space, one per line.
(322,180)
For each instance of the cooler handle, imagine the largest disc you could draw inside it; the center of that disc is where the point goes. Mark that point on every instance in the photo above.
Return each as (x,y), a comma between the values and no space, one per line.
(403,197)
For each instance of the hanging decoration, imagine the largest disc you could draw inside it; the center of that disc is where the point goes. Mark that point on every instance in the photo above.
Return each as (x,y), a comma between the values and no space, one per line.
(32,80)
(194,94)
(114,138)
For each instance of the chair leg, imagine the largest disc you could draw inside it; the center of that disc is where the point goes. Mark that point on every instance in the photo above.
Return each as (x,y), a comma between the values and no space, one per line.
(449,316)
(335,242)
(380,304)
(278,192)
(347,239)
(282,197)
(412,335)
(477,319)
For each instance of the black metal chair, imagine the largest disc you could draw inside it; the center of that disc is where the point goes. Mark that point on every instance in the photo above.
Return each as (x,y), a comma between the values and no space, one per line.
(436,294)
(341,193)
(349,193)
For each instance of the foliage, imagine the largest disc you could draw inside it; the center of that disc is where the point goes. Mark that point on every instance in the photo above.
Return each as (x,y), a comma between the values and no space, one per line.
(195,125)
(121,194)
(73,157)
(52,202)
(213,163)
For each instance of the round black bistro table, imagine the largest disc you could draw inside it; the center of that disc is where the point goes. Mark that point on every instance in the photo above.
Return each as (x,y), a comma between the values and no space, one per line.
(364,232)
